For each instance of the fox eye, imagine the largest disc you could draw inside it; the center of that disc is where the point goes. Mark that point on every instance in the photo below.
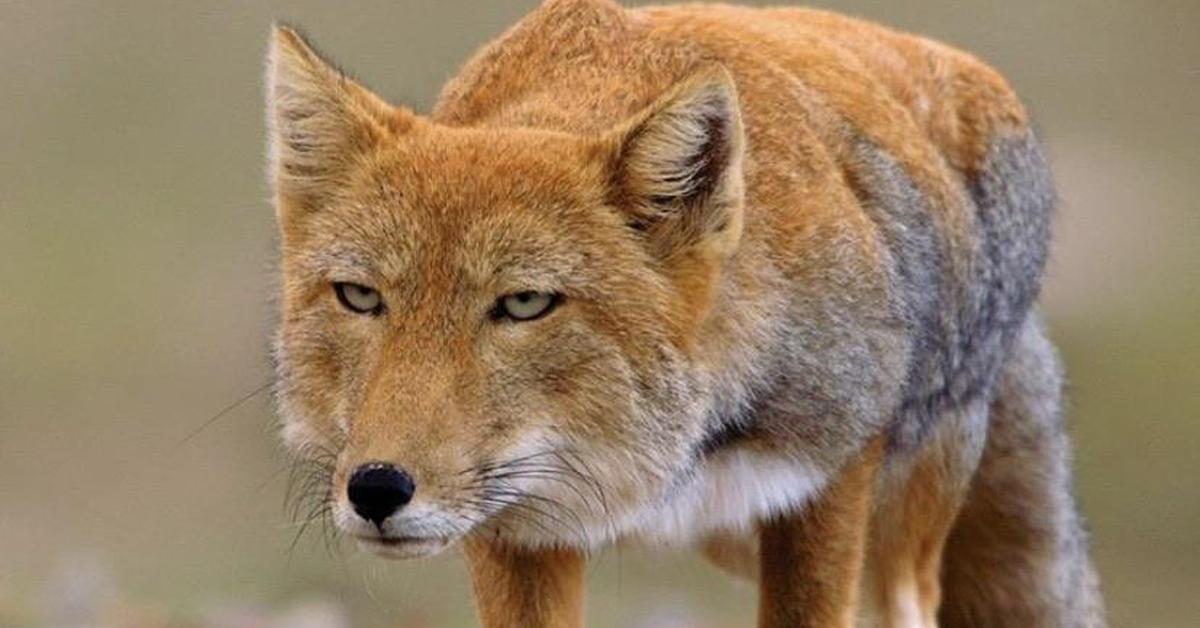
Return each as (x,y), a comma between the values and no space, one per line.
(358,298)
(526,306)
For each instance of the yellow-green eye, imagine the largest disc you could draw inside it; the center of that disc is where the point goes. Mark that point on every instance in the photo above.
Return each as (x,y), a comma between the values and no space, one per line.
(526,306)
(358,298)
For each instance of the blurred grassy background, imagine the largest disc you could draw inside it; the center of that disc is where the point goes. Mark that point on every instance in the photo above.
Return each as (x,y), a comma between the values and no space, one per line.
(136,253)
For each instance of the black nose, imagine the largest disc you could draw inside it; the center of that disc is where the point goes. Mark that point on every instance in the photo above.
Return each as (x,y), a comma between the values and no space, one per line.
(377,490)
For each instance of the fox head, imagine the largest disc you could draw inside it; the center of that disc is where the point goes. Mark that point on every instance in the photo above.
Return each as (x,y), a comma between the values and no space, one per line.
(495,329)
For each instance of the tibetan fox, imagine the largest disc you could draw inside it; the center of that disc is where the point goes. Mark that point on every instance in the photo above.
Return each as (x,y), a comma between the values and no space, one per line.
(754,281)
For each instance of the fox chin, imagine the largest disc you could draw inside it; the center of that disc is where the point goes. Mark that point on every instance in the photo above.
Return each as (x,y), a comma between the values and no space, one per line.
(758,282)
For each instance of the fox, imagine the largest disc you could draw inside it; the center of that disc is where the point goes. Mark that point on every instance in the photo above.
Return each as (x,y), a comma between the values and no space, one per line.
(754,282)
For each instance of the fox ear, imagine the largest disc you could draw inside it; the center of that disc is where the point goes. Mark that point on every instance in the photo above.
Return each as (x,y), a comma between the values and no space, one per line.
(319,121)
(678,165)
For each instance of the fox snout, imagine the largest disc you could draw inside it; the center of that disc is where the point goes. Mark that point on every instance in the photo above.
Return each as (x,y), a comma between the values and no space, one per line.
(377,490)
(394,505)
(396,465)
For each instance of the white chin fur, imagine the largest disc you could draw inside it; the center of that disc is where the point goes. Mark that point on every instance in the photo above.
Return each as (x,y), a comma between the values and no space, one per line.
(406,549)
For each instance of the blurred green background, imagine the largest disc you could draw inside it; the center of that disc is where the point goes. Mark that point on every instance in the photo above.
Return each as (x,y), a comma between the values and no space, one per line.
(136,279)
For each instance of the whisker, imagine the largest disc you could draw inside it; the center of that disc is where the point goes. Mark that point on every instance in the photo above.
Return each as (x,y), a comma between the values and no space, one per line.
(496,492)
(588,478)
(514,509)
(545,473)
(309,494)
(274,474)
(222,413)
(522,499)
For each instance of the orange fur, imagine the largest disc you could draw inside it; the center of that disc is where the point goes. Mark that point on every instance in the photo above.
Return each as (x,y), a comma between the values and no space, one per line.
(811,561)
(517,587)
(916,511)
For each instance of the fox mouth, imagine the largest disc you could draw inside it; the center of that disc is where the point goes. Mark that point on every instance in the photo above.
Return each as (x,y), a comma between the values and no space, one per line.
(403,546)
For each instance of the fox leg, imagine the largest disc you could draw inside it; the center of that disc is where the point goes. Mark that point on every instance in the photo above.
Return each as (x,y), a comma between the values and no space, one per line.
(810,561)
(1017,555)
(920,495)
(517,587)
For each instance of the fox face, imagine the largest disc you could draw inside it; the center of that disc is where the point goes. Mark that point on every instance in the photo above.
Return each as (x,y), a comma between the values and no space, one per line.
(494,329)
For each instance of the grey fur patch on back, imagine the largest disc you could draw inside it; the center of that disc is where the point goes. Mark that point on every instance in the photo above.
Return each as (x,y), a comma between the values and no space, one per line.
(961,333)
(1014,199)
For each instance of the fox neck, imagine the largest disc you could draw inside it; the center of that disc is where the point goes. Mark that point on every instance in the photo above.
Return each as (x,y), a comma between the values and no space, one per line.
(737,343)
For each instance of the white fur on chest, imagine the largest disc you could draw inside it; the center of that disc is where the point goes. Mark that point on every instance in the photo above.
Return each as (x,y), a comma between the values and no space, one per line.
(729,492)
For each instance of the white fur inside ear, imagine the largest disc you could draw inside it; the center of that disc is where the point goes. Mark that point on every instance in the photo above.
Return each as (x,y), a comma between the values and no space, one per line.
(671,152)
(320,121)
(302,108)
(679,166)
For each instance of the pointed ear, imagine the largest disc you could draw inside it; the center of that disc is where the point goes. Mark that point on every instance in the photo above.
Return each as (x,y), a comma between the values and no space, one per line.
(320,122)
(678,165)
